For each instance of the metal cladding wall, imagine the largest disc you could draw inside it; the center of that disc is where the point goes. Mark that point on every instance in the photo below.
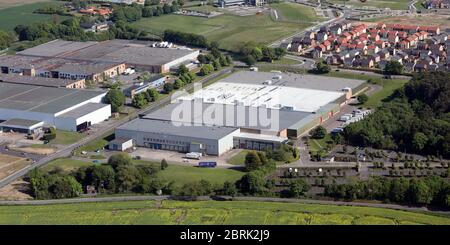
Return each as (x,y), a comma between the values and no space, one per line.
(169,142)
(94,117)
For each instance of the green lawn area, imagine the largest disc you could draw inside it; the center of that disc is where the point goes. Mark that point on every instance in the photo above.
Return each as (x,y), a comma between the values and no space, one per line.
(93,146)
(188,174)
(375,100)
(389,86)
(238,159)
(65,164)
(229,30)
(295,12)
(208,213)
(316,145)
(392,4)
(23,14)
(66,137)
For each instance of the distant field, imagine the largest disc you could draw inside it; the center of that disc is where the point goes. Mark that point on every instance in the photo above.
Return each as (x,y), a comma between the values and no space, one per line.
(209,213)
(424,19)
(375,100)
(295,12)
(392,4)
(10,3)
(11,164)
(23,14)
(228,30)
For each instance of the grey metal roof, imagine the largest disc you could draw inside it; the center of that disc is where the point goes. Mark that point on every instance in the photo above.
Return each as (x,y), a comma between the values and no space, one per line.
(293,80)
(119,141)
(42,99)
(56,48)
(168,128)
(121,51)
(20,122)
(38,81)
(83,110)
(239,116)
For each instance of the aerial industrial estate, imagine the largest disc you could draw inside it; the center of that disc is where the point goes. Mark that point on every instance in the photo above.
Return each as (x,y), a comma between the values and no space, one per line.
(350,104)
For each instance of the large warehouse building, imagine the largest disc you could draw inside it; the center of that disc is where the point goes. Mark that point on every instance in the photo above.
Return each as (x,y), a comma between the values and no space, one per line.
(251,110)
(137,54)
(66,109)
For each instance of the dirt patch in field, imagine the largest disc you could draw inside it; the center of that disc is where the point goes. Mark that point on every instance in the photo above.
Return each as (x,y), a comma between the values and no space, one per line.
(33,150)
(11,164)
(442,21)
(11,3)
(16,191)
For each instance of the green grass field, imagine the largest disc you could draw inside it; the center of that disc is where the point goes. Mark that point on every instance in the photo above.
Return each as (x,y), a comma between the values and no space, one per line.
(65,164)
(228,30)
(294,12)
(375,100)
(188,174)
(23,15)
(392,4)
(389,86)
(66,137)
(238,159)
(208,212)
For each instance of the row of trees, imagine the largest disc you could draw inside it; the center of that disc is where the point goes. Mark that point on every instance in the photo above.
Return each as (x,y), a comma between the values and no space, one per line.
(423,191)
(135,12)
(415,119)
(186,38)
(252,52)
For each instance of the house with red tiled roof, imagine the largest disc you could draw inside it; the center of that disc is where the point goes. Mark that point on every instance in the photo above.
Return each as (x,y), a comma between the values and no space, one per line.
(327,45)
(404,44)
(380,44)
(372,49)
(381,26)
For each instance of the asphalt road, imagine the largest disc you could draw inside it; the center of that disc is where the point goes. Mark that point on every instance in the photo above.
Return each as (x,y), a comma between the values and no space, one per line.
(100,132)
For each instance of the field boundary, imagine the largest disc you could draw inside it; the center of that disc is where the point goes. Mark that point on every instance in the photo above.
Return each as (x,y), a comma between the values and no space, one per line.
(223,198)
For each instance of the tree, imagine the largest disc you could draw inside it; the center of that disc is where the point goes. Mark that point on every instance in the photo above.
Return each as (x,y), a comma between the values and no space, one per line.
(65,187)
(419,192)
(120,159)
(153,94)
(322,67)
(252,161)
(252,183)
(202,59)
(182,69)
(363,98)
(229,188)
(216,65)
(206,69)
(419,141)
(249,60)
(318,132)
(181,3)
(127,177)
(168,87)
(164,164)
(298,188)
(393,67)
(178,84)
(102,177)
(116,98)
(139,101)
